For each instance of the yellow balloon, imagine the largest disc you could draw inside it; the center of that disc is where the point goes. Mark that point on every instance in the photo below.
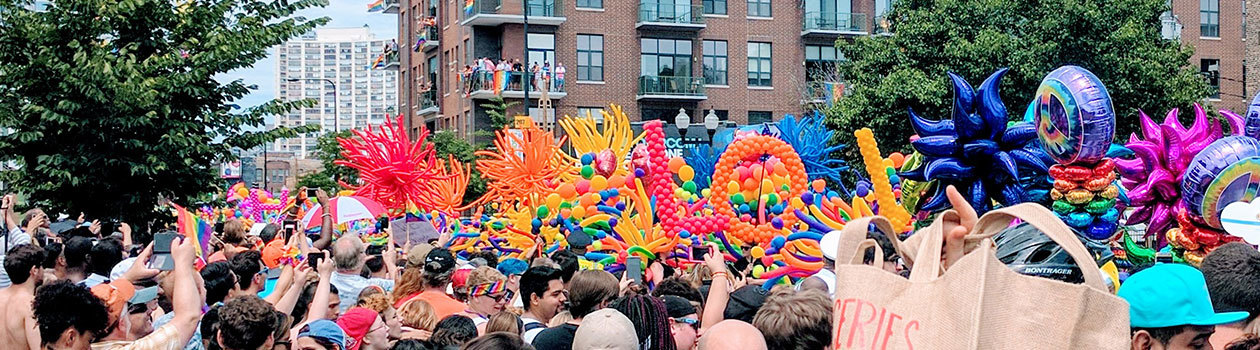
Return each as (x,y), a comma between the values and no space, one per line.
(733,187)
(686,173)
(553,201)
(767,186)
(599,183)
(758,252)
(578,212)
(597,246)
(798,203)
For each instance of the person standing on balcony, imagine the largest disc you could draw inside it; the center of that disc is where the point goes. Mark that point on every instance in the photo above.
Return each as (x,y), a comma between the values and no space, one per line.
(560,76)
(537,72)
(518,70)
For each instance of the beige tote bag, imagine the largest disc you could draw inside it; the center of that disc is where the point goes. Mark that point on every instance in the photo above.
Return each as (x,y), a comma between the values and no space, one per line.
(978,303)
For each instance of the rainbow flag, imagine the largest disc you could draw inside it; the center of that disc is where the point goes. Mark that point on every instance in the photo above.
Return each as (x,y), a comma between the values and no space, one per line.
(378,62)
(832,92)
(468,7)
(500,81)
(376,6)
(192,226)
(413,211)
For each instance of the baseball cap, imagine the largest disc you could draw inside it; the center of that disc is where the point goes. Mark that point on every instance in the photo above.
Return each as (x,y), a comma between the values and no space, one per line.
(144,295)
(829,243)
(512,266)
(1167,295)
(356,322)
(677,306)
(744,303)
(324,330)
(121,268)
(257,228)
(579,239)
(115,295)
(439,261)
(272,252)
(606,329)
(417,254)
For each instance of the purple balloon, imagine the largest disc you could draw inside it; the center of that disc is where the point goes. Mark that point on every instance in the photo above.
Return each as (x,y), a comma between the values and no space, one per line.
(1219,175)
(1074,116)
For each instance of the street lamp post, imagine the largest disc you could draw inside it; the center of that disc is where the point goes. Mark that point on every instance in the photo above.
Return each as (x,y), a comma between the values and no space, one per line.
(711,122)
(336,123)
(682,121)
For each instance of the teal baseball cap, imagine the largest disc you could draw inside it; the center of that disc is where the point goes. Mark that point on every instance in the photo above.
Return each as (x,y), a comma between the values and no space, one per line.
(1167,295)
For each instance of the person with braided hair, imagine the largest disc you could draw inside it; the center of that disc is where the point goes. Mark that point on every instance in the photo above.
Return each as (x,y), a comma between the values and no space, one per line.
(650,319)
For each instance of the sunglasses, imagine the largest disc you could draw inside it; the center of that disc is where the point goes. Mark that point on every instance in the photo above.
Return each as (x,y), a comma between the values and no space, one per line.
(694,323)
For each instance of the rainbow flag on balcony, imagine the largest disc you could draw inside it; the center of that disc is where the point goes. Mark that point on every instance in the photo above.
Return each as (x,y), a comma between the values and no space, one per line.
(500,81)
(379,62)
(832,92)
(376,6)
(468,6)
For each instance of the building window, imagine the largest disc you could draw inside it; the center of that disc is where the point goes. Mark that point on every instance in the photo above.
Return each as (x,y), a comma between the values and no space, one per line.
(590,56)
(1210,18)
(594,113)
(714,62)
(1211,70)
(714,7)
(665,57)
(759,8)
(542,49)
(758,64)
(820,62)
(758,117)
(590,4)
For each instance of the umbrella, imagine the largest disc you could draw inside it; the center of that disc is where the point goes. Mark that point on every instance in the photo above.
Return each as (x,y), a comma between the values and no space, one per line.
(344,209)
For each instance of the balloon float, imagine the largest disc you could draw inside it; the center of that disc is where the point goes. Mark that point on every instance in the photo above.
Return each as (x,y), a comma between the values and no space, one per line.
(758,174)
(976,150)
(1163,152)
(1075,124)
(393,169)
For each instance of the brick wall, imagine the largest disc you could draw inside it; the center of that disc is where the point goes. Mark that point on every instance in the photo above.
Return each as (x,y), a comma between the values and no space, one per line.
(1229,48)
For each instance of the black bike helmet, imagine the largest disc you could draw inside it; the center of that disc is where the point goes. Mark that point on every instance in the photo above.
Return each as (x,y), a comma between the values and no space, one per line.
(1024,249)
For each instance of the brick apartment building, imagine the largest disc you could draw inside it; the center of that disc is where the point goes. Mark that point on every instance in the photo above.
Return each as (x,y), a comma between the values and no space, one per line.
(1215,28)
(746,59)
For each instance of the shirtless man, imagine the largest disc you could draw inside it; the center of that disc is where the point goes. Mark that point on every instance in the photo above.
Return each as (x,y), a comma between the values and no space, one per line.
(19,329)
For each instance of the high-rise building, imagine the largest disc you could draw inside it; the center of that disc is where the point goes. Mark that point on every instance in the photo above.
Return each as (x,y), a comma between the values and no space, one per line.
(1215,29)
(350,73)
(749,60)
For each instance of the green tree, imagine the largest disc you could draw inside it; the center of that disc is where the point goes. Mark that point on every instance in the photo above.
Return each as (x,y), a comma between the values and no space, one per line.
(113,104)
(328,151)
(497,110)
(446,143)
(319,179)
(1119,41)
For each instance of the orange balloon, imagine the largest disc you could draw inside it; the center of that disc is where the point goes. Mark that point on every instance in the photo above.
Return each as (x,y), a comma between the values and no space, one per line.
(566,191)
(675,164)
(820,185)
(897,158)
(616,181)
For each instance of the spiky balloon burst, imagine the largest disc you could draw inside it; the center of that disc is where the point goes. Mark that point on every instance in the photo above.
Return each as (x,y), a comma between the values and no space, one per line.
(393,169)
(1164,151)
(976,150)
(811,140)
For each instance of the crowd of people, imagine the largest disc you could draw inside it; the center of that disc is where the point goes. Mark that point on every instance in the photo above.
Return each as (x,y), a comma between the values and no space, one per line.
(82,288)
(480,75)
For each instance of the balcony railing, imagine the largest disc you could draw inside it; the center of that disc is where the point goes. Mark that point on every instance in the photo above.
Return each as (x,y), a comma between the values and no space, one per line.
(668,86)
(671,14)
(834,22)
(428,101)
(479,84)
(824,92)
(540,8)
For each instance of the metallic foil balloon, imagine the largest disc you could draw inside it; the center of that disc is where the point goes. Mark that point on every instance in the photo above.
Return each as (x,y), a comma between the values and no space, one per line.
(1074,117)
(1226,171)
(1160,157)
(976,150)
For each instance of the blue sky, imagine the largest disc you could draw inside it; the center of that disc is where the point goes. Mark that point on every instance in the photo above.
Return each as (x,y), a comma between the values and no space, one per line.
(342,13)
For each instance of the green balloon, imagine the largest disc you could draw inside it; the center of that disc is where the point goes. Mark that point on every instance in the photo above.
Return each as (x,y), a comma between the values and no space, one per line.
(772,199)
(689,186)
(587,172)
(737,198)
(542,212)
